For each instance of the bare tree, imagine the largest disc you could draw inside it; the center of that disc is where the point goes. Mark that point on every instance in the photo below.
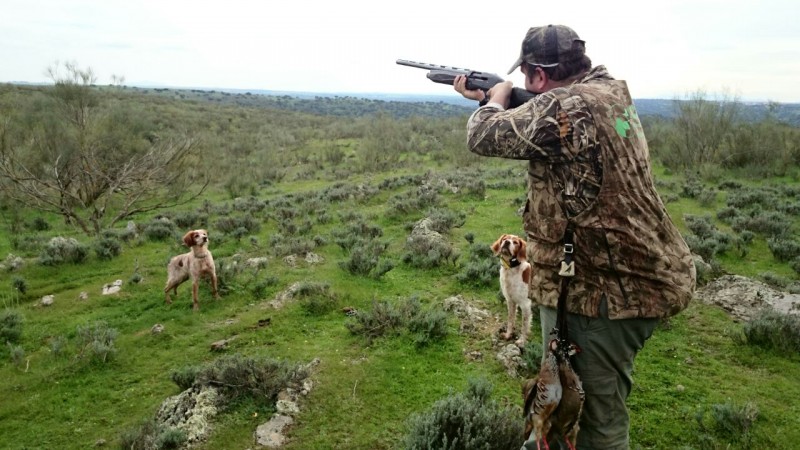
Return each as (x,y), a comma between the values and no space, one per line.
(88,175)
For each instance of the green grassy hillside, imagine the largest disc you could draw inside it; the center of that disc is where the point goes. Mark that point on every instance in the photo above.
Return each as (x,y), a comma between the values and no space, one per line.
(350,192)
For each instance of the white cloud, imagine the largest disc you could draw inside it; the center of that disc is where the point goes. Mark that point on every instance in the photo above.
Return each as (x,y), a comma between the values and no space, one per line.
(662,48)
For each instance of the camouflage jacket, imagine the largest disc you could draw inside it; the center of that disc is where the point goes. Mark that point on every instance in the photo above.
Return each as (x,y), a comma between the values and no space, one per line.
(589,165)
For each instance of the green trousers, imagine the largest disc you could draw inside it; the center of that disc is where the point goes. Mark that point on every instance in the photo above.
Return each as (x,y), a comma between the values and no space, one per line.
(605,366)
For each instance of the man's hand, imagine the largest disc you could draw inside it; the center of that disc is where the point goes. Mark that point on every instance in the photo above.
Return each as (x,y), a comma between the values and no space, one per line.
(501,93)
(460,85)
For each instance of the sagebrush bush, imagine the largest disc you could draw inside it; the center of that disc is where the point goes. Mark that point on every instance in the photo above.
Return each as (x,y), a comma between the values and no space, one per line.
(424,251)
(190,220)
(16,353)
(383,318)
(706,240)
(784,248)
(466,421)
(185,377)
(150,435)
(729,422)
(532,356)
(11,324)
(773,330)
(97,341)
(481,267)
(442,220)
(428,327)
(366,259)
(107,248)
(20,285)
(159,230)
(261,378)
(39,224)
(768,223)
(229,224)
(62,250)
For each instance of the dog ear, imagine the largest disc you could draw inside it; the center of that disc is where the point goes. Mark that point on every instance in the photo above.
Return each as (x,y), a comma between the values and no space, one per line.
(496,245)
(188,238)
(522,250)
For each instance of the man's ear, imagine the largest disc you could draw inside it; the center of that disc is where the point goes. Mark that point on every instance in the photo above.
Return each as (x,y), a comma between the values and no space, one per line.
(541,82)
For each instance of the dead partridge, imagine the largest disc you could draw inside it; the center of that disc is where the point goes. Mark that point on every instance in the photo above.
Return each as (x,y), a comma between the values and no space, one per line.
(542,396)
(568,413)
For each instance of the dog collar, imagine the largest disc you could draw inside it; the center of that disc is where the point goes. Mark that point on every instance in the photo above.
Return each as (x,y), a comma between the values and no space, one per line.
(514,262)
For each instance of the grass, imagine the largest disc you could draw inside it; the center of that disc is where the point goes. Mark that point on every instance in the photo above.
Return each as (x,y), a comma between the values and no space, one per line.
(363,392)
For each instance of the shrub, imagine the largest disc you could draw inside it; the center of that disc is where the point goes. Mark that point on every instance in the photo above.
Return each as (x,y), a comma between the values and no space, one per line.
(315,298)
(706,240)
(365,259)
(442,220)
(729,421)
(190,220)
(150,435)
(425,251)
(532,356)
(428,326)
(10,326)
(773,330)
(159,230)
(230,224)
(185,377)
(107,248)
(63,250)
(784,248)
(382,319)
(39,224)
(481,268)
(97,341)
(17,354)
(261,379)
(466,421)
(20,285)
(57,345)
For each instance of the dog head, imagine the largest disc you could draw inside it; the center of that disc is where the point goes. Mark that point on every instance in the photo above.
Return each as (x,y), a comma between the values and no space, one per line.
(510,246)
(196,237)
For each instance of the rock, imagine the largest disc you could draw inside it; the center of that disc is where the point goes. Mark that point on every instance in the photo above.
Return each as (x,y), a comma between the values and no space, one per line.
(83,295)
(743,298)
(47,300)
(157,329)
(270,434)
(259,262)
(287,407)
(313,258)
(511,357)
(221,344)
(112,288)
(191,411)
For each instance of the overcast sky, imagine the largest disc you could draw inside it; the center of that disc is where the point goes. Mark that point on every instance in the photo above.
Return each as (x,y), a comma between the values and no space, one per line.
(748,49)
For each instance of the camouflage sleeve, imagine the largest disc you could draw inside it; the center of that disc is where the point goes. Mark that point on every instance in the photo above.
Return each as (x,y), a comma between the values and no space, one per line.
(541,129)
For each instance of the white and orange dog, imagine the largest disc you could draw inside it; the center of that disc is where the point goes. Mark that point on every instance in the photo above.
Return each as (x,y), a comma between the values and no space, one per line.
(515,276)
(195,264)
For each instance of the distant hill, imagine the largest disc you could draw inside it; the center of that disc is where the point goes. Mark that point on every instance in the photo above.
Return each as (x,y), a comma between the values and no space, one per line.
(406,105)
(751,111)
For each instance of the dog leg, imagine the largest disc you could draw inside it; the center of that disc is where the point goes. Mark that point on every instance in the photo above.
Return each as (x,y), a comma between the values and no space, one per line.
(214,285)
(195,286)
(526,326)
(512,313)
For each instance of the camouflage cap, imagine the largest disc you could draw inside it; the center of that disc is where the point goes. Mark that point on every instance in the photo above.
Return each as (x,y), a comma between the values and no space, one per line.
(548,46)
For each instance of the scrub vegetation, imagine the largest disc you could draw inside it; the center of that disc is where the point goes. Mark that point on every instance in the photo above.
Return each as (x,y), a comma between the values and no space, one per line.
(99,183)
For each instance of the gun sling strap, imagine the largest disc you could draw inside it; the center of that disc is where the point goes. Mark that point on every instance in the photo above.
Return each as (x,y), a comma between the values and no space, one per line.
(567,271)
